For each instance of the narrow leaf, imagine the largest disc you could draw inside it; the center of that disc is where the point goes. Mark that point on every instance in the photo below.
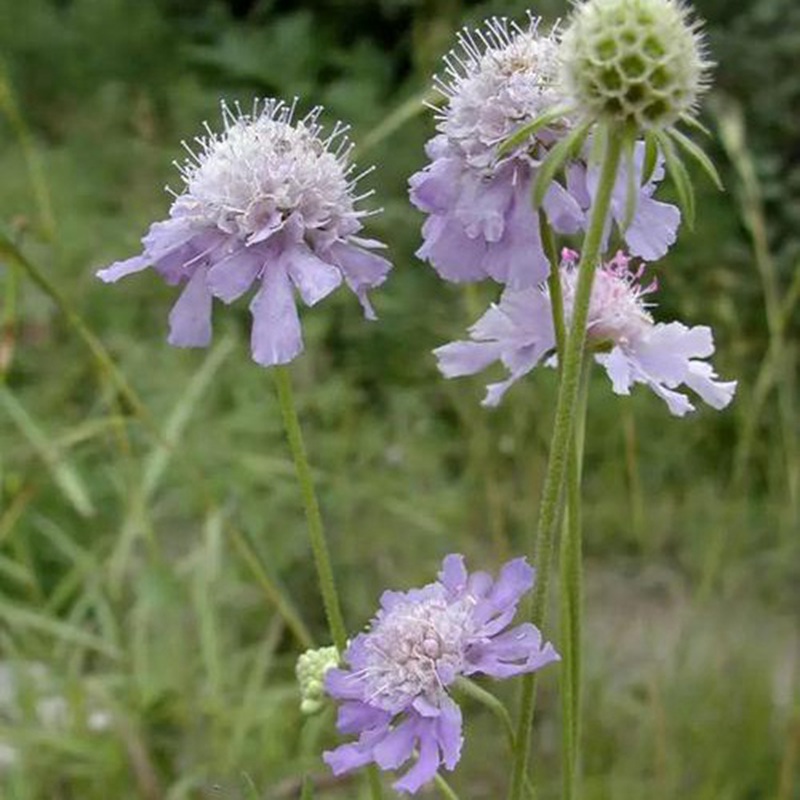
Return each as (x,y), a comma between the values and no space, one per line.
(699,155)
(522,134)
(64,474)
(650,158)
(693,122)
(555,161)
(680,177)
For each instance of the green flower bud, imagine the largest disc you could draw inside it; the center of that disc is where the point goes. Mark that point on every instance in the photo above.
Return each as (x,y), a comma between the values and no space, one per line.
(633,62)
(310,671)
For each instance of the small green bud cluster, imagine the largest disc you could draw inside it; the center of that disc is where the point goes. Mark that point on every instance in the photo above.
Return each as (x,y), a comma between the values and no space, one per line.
(634,62)
(310,670)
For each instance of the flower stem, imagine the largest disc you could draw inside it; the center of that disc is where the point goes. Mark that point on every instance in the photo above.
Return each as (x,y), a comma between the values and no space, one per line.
(322,558)
(571,584)
(566,406)
(444,788)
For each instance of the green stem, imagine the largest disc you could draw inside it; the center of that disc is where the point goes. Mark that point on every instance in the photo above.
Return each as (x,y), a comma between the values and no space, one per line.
(322,558)
(561,443)
(554,283)
(571,584)
(444,788)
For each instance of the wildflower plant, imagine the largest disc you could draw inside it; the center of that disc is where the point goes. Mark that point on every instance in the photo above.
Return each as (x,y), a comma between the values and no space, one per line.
(541,134)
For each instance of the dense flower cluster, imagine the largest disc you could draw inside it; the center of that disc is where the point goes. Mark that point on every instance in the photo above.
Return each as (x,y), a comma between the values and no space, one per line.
(481,222)
(268,202)
(394,692)
(621,333)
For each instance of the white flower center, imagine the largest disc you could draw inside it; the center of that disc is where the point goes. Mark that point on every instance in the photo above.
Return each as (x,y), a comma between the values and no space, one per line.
(264,168)
(503,76)
(617,310)
(416,649)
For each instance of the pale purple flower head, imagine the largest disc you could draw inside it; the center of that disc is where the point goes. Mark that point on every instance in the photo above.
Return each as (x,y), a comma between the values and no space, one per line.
(270,202)
(480,219)
(394,693)
(621,333)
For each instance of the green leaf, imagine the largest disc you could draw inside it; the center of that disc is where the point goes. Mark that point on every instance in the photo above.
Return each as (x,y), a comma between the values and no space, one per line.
(632,187)
(679,175)
(526,131)
(699,155)
(695,123)
(556,159)
(650,157)
(63,473)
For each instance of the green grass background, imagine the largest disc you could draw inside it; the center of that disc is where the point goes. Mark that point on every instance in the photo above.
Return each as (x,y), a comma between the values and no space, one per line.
(154,564)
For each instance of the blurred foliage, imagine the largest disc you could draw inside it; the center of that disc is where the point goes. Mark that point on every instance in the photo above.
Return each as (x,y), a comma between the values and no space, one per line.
(142,555)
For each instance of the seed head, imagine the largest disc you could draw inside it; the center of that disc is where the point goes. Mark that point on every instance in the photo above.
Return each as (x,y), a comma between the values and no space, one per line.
(636,62)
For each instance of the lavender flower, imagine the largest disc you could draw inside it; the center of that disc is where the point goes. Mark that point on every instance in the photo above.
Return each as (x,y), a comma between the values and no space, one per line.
(394,694)
(481,222)
(621,332)
(268,202)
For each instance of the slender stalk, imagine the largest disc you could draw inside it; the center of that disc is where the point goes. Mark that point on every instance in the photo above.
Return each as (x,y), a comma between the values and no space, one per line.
(554,284)
(571,583)
(561,443)
(319,546)
(444,788)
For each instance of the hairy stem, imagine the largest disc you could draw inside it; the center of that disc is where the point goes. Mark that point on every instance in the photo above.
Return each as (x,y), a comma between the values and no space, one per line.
(319,546)
(571,585)
(561,443)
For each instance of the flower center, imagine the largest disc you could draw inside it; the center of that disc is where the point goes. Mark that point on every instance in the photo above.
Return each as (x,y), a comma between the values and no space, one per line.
(264,168)
(617,310)
(505,76)
(416,649)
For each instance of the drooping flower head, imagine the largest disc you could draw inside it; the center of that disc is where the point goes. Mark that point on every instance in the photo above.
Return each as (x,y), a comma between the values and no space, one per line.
(394,692)
(635,62)
(621,333)
(270,201)
(477,189)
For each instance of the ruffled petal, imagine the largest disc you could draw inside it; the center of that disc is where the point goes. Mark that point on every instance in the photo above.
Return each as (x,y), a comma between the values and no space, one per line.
(449,733)
(454,255)
(514,652)
(466,358)
(276,337)
(119,269)
(427,763)
(356,716)
(190,318)
(397,746)
(362,271)
(232,276)
(453,574)
(314,278)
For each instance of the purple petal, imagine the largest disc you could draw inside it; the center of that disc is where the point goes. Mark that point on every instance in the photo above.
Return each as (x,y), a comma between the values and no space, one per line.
(356,716)
(313,277)
(119,269)
(343,685)
(449,733)
(347,757)
(362,271)
(190,318)
(434,189)
(483,206)
(397,746)
(232,276)
(276,337)
(717,394)
(453,254)
(653,229)
(453,574)
(511,653)
(466,358)
(427,763)
(563,210)
(518,259)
